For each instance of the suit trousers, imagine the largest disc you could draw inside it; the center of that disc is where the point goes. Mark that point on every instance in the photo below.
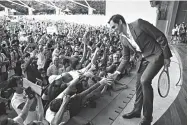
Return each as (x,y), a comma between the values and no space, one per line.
(144,91)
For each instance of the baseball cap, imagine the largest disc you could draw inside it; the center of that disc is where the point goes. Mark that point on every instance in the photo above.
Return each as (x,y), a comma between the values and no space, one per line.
(52,78)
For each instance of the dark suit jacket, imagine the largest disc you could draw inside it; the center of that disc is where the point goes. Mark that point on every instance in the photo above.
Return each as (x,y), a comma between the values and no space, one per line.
(151,41)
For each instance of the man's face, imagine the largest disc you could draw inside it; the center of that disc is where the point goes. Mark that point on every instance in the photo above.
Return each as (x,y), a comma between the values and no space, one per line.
(77,48)
(115,58)
(15,38)
(76,53)
(56,61)
(40,48)
(45,49)
(43,74)
(114,27)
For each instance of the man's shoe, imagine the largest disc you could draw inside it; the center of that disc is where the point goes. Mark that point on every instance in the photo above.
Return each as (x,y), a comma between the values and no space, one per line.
(132,114)
(145,122)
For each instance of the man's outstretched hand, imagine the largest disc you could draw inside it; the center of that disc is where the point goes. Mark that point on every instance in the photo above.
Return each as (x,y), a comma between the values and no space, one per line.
(167,63)
(112,76)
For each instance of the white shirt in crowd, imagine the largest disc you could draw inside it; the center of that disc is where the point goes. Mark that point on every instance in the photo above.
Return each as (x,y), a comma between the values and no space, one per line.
(50,115)
(18,99)
(66,116)
(41,60)
(2,59)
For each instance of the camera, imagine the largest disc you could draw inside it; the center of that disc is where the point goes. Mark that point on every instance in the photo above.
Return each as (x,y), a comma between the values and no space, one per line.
(30,93)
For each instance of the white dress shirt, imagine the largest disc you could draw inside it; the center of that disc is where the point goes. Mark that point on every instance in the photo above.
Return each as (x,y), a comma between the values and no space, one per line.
(131,39)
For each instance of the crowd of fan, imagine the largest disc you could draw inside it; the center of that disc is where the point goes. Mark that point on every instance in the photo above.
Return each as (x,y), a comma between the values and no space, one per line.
(72,67)
(98,5)
(179,33)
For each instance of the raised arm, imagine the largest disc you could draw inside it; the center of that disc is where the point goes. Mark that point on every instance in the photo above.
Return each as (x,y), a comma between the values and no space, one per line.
(84,54)
(94,58)
(59,115)
(26,48)
(40,108)
(25,109)
(70,85)
(104,58)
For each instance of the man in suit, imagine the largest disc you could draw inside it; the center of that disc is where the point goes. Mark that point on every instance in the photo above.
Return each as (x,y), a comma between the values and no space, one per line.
(152,47)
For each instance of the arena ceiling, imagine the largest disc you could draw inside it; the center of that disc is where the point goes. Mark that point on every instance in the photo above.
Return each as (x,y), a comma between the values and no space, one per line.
(49,6)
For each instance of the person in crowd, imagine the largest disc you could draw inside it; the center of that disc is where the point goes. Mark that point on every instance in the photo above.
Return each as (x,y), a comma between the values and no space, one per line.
(19,120)
(55,68)
(153,56)
(3,66)
(174,34)
(31,68)
(182,32)
(59,111)
(16,59)
(19,99)
(54,62)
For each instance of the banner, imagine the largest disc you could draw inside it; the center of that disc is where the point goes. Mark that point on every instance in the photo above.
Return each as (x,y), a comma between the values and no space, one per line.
(36,88)
(51,30)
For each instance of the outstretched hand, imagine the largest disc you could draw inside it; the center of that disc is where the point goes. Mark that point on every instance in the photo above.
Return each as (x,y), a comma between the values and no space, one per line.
(66,99)
(112,76)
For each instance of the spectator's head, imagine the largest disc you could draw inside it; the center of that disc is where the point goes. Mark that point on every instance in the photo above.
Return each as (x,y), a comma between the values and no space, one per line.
(76,53)
(15,46)
(84,82)
(55,60)
(58,46)
(8,121)
(110,58)
(30,49)
(116,23)
(40,48)
(4,44)
(22,26)
(66,77)
(60,79)
(111,49)
(115,57)
(42,72)
(76,47)
(119,52)
(26,57)
(55,104)
(45,49)
(14,82)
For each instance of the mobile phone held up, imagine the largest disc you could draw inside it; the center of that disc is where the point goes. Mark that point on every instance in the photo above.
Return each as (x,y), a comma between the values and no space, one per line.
(30,93)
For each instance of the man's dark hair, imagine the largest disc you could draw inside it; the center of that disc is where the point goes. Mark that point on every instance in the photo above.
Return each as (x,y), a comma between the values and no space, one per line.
(116,18)
(55,104)
(12,82)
